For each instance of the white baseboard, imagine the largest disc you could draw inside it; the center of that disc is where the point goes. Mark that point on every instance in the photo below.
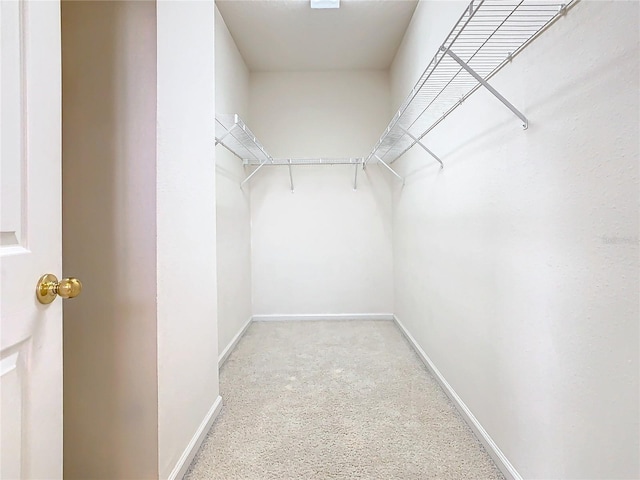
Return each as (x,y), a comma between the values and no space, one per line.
(326,316)
(232,344)
(186,458)
(493,450)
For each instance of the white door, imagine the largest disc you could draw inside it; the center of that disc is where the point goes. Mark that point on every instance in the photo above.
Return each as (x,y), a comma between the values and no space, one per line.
(30,240)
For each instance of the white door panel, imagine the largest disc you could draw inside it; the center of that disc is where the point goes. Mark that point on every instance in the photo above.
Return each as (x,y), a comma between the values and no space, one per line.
(30,240)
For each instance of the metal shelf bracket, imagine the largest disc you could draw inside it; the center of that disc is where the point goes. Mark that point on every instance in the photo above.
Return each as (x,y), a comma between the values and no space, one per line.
(290,176)
(355,178)
(485,84)
(390,169)
(419,142)
(244,182)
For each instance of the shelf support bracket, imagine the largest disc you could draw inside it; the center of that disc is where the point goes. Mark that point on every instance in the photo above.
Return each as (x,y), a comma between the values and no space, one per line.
(483,82)
(355,178)
(390,169)
(417,140)
(251,174)
(290,176)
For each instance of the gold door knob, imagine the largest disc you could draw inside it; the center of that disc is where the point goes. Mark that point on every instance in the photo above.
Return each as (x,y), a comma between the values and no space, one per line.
(49,288)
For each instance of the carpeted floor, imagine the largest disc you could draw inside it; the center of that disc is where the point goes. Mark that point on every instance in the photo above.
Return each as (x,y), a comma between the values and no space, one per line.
(335,400)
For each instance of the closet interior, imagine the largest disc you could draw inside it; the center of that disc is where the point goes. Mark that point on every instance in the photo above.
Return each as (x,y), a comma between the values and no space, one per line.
(485,244)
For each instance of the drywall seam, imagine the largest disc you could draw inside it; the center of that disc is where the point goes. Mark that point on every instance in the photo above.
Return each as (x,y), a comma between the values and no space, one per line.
(186,458)
(493,450)
(326,316)
(232,344)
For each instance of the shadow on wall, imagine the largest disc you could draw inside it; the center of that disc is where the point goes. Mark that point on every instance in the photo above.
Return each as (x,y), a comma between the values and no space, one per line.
(109,95)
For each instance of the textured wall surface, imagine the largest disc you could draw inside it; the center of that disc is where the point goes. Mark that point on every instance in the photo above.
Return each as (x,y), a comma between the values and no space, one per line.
(516,267)
(324,248)
(233,215)
(186,208)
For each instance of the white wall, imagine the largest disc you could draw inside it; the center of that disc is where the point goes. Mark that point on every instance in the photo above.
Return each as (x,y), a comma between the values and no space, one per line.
(109,239)
(325,248)
(232,204)
(186,212)
(516,268)
(140,347)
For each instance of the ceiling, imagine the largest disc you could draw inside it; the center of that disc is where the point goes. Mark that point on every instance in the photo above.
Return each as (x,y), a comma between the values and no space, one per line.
(288,35)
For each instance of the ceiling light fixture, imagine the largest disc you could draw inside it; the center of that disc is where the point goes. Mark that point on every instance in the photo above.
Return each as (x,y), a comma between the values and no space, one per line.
(325,3)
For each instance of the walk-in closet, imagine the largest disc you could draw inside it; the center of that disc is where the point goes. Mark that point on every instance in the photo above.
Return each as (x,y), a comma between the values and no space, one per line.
(466,170)
(327,239)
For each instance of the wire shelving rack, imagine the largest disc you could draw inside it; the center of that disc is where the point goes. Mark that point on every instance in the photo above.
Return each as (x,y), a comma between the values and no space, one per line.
(233,134)
(486,38)
(310,161)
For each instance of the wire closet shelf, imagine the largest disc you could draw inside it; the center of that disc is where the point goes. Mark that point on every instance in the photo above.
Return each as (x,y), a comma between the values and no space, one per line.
(486,37)
(233,134)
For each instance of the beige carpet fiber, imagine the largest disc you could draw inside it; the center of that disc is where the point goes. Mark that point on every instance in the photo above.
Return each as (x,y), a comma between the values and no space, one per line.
(335,400)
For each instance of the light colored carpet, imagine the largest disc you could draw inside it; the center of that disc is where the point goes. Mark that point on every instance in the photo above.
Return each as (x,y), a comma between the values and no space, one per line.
(335,400)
